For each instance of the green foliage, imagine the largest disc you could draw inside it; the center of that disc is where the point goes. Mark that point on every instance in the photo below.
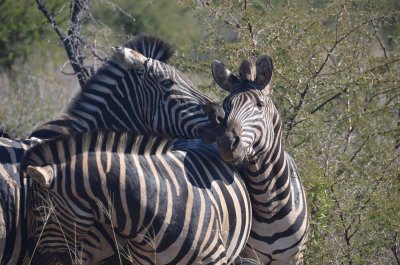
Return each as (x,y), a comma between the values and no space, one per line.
(16,30)
(162,18)
(21,26)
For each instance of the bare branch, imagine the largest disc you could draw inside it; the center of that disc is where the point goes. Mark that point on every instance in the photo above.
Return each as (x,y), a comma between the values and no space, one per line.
(235,25)
(379,39)
(320,106)
(395,248)
(291,121)
(51,20)
(70,39)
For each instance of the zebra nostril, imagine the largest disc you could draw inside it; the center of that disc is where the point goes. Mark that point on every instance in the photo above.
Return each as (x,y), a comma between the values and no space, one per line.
(235,142)
(215,113)
(220,119)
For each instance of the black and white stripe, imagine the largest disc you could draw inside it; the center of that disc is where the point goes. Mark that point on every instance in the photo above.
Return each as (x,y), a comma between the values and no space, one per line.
(252,140)
(12,192)
(135,91)
(153,98)
(172,201)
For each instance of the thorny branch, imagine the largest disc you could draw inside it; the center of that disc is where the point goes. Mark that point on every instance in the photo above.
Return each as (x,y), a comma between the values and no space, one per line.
(379,39)
(226,21)
(346,229)
(350,229)
(395,248)
(72,39)
(338,40)
(235,24)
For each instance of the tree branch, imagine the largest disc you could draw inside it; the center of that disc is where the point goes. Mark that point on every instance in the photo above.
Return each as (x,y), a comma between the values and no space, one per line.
(338,40)
(71,39)
(395,248)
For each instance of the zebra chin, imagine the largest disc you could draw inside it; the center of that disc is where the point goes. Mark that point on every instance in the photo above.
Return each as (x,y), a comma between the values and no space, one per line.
(231,155)
(232,158)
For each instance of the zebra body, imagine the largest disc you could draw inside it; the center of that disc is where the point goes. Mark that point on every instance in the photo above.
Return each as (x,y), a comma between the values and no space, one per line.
(11,151)
(137,91)
(252,140)
(173,201)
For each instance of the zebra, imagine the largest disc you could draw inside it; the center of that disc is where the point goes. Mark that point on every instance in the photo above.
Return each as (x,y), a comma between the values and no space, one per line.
(119,96)
(252,140)
(136,90)
(173,201)
(13,213)
(11,193)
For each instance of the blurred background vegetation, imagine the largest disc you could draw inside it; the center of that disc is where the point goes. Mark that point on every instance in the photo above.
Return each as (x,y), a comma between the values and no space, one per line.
(336,83)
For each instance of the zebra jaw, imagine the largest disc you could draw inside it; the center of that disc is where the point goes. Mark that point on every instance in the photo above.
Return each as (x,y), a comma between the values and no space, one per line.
(129,58)
(210,132)
(42,175)
(228,154)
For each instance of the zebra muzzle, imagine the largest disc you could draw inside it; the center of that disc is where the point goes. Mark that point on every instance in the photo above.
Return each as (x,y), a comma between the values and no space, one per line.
(230,147)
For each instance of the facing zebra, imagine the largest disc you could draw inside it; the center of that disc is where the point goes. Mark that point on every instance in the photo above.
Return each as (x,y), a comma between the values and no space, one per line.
(174,201)
(252,140)
(118,96)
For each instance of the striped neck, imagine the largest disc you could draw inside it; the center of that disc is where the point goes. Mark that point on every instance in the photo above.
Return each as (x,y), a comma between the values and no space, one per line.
(279,208)
(111,100)
(269,179)
(269,174)
(101,104)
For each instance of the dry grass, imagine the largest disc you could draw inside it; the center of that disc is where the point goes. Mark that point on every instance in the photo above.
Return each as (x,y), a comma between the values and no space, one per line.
(32,92)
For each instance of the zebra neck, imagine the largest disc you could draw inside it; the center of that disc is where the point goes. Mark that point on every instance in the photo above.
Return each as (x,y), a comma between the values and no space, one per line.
(113,99)
(269,182)
(109,105)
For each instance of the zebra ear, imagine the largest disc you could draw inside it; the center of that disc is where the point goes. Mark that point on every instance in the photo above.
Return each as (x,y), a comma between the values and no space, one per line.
(129,58)
(222,76)
(264,69)
(43,175)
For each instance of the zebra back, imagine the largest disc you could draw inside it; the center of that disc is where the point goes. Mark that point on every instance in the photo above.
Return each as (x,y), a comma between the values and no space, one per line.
(183,197)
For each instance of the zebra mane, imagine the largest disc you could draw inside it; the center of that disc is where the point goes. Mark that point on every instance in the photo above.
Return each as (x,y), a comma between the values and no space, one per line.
(151,47)
(122,143)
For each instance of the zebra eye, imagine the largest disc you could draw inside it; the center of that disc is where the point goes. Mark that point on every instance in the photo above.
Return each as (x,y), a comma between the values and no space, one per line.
(168,83)
(260,103)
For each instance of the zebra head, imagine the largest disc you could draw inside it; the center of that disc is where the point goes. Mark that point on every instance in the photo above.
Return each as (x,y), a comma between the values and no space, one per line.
(250,115)
(56,227)
(164,101)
